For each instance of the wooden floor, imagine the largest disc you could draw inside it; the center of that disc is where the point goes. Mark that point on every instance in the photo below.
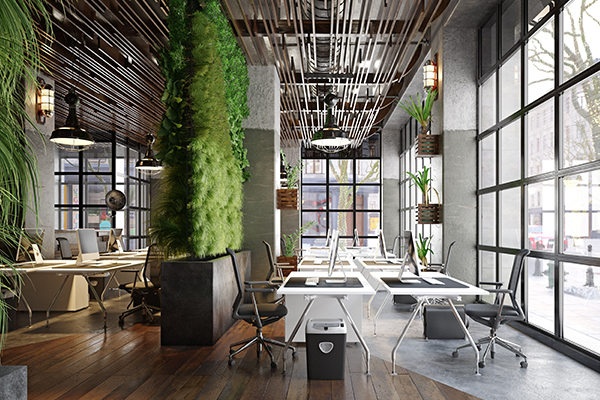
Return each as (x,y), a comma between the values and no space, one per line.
(131,364)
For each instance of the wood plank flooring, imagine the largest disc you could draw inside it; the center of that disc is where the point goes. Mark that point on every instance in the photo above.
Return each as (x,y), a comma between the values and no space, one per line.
(131,364)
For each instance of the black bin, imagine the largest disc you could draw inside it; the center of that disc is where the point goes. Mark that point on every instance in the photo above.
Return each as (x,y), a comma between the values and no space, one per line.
(326,348)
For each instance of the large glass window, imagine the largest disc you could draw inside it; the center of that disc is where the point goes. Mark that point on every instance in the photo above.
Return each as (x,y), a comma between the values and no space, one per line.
(342,191)
(83,179)
(551,204)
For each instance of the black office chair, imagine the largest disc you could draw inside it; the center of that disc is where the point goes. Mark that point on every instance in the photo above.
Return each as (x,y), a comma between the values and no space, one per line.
(497,314)
(257,314)
(443,267)
(65,248)
(146,291)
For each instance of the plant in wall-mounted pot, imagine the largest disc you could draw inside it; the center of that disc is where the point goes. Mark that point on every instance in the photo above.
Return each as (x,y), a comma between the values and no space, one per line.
(427,213)
(423,248)
(287,199)
(290,245)
(427,144)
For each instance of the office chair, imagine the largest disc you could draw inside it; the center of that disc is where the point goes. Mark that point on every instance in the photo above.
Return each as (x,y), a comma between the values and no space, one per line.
(497,314)
(146,288)
(257,314)
(65,248)
(443,267)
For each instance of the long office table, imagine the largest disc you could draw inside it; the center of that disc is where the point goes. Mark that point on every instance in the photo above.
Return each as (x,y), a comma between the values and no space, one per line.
(106,267)
(377,264)
(451,288)
(294,289)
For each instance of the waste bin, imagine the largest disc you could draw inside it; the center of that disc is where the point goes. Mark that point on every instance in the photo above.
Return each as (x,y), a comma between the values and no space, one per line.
(326,348)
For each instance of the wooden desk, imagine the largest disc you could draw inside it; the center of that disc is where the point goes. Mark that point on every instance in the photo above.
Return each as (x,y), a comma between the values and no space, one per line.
(452,288)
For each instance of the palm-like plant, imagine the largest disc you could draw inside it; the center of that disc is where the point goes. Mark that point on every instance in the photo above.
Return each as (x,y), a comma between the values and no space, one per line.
(423,248)
(19,59)
(422,180)
(421,111)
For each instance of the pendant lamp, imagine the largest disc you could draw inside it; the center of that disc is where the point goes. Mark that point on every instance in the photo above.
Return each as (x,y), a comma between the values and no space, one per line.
(149,165)
(330,139)
(71,137)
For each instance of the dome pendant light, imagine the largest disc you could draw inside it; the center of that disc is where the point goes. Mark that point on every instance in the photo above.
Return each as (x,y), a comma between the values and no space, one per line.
(330,139)
(149,165)
(71,137)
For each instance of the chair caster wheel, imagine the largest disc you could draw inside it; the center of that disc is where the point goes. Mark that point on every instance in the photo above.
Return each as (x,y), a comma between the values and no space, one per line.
(481,364)
(492,354)
(295,354)
(273,364)
(231,362)
(524,364)
(455,354)
(121,323)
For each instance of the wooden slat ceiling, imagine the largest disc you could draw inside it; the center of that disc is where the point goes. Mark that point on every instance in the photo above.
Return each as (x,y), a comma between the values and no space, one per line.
(107,50)
(362,51)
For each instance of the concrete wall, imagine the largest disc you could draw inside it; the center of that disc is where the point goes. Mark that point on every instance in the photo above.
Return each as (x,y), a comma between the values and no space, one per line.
(261,217)
(390,174)
(45,153)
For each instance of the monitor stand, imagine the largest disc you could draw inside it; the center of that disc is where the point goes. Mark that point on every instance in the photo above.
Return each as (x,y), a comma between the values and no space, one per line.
(338,280)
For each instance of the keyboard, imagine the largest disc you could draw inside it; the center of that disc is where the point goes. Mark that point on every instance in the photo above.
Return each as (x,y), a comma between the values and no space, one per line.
(432,281)
(312,281)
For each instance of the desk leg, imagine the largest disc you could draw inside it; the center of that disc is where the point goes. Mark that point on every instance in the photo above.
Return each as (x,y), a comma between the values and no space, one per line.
(54,300)
(387,296)
(296,328)
(358,334)
(93,290)
(466,331)
(370,300)
(410,320)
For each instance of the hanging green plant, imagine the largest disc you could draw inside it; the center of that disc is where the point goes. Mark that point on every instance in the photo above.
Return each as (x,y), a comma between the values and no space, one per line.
(421,111)
(235,72)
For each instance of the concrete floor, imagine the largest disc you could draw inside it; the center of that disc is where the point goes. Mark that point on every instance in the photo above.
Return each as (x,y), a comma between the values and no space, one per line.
(550,374)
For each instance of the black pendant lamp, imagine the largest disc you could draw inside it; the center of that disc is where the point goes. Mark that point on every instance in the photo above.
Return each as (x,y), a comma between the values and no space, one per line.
(149,165)
(330,139)
(71,137)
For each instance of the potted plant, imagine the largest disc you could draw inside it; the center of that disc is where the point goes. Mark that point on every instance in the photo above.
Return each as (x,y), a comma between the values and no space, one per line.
(290,245)
(423,248)
(287,199)
(427,213)
(427,144)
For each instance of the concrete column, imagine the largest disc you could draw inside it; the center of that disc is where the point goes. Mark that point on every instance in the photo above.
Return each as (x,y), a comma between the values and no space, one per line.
(457,73)
(45,153)
(261,216)
(390,178)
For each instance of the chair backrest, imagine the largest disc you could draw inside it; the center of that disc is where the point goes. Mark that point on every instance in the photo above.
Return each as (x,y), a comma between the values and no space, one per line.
(152,266)
(446,270)
(271,262)
(515,274)
(65,248)
(236,272)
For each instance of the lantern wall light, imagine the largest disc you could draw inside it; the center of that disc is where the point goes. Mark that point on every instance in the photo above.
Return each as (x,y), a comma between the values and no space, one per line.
(430,75)
(45,101)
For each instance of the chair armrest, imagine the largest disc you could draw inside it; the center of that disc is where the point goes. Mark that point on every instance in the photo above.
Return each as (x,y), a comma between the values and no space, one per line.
(260,290)
(506,291)
(256,283)
(492,283)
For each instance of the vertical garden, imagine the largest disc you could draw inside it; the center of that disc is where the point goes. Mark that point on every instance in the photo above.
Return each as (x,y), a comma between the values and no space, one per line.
(198,209)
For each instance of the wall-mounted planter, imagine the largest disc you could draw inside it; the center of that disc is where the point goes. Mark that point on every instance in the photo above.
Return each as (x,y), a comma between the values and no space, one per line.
(429,213)
(196,299)
(287,199)
(428,145)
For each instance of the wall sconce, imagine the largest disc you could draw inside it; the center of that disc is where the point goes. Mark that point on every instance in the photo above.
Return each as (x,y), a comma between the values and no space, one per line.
(71,137)
(149,165)
(45,101)
(430,75)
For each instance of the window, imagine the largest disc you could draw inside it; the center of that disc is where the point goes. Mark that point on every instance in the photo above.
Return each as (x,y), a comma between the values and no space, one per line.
(342,191)
(82,180)
(551,204)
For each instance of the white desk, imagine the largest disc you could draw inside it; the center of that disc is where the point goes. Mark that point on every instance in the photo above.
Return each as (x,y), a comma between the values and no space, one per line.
(425,291)
(369,265)
(299,301)
(322,264)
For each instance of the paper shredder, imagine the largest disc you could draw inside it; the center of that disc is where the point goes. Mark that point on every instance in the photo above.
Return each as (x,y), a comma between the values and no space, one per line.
(326,348)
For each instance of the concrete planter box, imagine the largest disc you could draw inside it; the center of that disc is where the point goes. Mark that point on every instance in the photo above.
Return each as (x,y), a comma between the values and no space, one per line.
(13,382)
(197,298)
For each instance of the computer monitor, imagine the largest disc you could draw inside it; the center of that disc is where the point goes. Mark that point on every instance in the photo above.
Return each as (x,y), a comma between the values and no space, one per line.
(380,246)
(328,239)
(334,257)
(411,250)
(114,241)
(26,251)
(356,240)
(88,246)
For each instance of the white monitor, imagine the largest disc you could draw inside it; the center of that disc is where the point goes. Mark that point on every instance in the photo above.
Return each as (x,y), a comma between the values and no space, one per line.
(114,241)
(88,246)
(356,241)
(411,250)
(381,246)
(328,240)
(333,257)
